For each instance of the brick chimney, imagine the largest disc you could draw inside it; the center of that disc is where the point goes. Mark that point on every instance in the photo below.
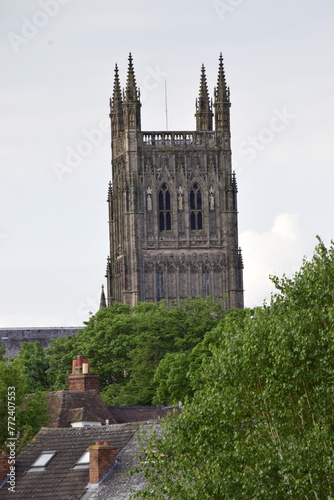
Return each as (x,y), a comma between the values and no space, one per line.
(102,457)
(81,379)
(4,465)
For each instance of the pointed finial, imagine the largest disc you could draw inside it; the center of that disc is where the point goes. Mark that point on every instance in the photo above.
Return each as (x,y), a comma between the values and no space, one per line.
(109,191)
(221,92)
(103,302)
(240,259)
(108,267)
(203,90)
(116,106)
(116,102)
(203,105)
(234,182)
(117,86)
(131,86)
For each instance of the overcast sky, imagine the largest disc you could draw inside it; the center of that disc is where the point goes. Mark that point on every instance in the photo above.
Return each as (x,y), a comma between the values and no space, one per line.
(57,65)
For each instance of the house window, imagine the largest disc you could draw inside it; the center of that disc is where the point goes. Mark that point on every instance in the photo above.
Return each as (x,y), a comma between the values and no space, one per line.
(196,213)
(83,462)
(42,461)
(165,217)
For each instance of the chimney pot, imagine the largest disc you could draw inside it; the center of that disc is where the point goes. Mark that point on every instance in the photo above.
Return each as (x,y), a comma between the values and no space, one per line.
(81,379)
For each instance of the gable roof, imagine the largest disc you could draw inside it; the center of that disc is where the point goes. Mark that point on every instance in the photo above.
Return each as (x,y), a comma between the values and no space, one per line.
(59,480)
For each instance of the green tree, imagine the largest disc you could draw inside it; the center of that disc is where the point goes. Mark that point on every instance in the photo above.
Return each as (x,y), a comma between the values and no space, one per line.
(172,380)
(159,330)
(35,366)
(21,414)
(2,351)
(126,344)
(106,342)
(178,375)
(260,425)
(59,357)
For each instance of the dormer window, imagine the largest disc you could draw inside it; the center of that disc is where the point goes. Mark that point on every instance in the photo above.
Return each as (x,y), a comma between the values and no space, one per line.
(42,461)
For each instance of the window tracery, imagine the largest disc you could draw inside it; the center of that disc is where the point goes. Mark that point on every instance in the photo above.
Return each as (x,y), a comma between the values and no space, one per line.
(196,210)
(165,215)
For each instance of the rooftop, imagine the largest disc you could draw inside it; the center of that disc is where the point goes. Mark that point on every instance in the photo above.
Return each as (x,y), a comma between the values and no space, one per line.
(59,474)
(64,406)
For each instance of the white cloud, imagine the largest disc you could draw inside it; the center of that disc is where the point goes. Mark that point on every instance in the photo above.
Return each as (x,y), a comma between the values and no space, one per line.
(287,227)
(277,251)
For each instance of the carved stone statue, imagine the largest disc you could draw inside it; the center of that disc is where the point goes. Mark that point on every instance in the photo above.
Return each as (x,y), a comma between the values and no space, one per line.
(180,197)
(149,198)
(211,198)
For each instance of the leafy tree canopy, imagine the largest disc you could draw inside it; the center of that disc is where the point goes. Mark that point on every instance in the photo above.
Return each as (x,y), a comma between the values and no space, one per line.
(260,424)
(126,344)
(21,413)
(35,366)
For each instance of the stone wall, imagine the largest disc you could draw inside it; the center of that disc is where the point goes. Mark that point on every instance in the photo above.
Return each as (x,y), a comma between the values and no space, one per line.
(11,338)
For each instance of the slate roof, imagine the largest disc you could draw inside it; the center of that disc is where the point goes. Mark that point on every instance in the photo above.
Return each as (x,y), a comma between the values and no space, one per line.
(119,485)
(122,414)
(65,407)
(62,403)
(59,481)
(82,415)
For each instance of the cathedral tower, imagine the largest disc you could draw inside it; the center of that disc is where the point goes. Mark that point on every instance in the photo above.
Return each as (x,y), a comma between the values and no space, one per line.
(173,222)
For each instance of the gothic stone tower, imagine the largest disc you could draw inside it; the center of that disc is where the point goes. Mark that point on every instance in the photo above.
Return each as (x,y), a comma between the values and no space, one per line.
(173,203)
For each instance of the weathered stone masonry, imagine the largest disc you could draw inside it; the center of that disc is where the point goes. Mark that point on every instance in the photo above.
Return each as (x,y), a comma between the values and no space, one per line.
(173,224)
(12,338)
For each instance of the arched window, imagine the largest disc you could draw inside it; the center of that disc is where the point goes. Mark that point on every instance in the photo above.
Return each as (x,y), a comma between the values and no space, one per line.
(149,279)
(205,282)
(196,213)
(183,281)
(160,285)
(194,281)
(165,217)
(172,283)
(218,281)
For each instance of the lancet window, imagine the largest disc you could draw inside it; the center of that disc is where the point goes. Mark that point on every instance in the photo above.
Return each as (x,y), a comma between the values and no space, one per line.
(196,210)
(164,202)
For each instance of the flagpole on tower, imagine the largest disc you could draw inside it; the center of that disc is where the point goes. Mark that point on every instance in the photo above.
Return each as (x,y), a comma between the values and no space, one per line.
(166,105)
